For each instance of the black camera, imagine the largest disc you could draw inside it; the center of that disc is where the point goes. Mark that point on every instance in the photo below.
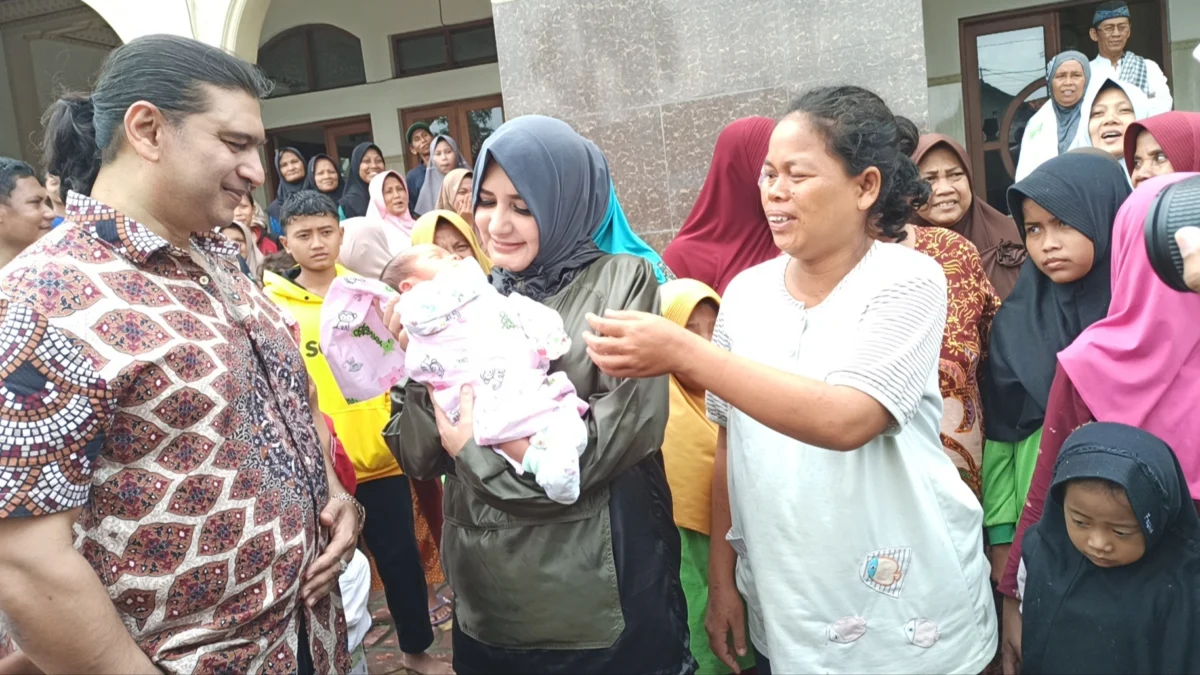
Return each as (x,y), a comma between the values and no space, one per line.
(1175,207)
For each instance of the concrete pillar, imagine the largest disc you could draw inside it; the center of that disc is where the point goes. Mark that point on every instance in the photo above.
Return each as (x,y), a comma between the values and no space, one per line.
(652,82)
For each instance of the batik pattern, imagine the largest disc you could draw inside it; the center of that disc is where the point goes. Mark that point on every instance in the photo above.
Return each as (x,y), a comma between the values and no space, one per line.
(158,396)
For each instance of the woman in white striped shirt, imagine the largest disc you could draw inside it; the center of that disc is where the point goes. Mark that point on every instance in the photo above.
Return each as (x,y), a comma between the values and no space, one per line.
(858,548)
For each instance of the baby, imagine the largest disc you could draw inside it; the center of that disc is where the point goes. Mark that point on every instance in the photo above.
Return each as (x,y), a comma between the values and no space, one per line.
(458,330)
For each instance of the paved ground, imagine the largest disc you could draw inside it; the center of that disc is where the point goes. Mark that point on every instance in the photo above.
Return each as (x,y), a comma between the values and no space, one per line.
(383,652)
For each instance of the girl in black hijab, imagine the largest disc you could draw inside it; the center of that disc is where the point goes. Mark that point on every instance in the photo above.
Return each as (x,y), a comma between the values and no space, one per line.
(1113,567)
(365,162)
(327,169)
(1072,194)
(286,188)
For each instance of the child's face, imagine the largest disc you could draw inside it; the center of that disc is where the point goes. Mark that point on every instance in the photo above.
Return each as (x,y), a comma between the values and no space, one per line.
(1060,251)
(429,261)
(1102,525)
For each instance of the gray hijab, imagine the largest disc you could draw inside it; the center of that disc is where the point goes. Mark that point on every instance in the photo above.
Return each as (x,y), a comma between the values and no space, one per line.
(1068,118)
(564,179)
(431,189)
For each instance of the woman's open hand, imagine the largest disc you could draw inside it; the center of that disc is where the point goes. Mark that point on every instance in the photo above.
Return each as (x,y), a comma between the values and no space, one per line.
(636,344)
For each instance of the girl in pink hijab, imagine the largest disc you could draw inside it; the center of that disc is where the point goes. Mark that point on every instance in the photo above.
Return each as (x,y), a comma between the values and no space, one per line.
(389,205)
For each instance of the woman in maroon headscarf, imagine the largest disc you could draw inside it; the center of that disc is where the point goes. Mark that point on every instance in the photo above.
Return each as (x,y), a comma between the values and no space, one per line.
(727,230)
(1162,144)
(954,206)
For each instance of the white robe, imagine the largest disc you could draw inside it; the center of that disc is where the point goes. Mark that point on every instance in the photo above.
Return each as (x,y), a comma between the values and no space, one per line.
(1039,143)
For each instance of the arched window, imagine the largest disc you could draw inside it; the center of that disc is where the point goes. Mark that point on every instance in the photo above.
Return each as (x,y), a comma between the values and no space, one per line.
(312,58)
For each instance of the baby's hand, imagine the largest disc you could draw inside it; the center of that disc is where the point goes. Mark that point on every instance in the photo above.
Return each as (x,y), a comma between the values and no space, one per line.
(391,318)
(402,339)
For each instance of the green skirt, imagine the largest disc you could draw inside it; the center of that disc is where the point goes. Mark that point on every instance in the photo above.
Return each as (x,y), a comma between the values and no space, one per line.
(693,575)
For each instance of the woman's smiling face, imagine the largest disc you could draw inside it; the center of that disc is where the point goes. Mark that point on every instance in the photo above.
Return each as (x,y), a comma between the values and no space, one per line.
(1111,114)
(508,229)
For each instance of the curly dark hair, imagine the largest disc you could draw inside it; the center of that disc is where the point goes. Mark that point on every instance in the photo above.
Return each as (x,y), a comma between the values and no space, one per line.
(863,132)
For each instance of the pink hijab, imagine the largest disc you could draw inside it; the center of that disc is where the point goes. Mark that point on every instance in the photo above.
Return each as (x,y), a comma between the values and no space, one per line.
(377,209)
(1140,365)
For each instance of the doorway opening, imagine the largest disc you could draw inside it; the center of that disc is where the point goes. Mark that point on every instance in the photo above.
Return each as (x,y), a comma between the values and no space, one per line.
(1004,58)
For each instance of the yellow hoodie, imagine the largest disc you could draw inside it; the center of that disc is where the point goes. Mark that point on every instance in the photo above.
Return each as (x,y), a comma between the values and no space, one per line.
(359,425)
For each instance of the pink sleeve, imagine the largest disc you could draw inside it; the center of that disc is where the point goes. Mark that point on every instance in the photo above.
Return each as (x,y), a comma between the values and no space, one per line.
(1065,412)
(363,355)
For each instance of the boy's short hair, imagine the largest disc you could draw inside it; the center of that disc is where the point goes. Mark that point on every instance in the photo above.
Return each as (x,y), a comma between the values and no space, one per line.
(12,170)
(399,268)
(306,203)
(279,263)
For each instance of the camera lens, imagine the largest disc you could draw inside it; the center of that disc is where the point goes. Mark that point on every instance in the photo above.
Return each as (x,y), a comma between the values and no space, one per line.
(1175,207)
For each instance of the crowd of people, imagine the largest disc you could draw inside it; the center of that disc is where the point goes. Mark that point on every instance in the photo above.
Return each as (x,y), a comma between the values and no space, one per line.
(853,419)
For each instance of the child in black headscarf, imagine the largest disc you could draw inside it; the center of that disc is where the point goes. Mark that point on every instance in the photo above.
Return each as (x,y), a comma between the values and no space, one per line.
(1064,212)
(1112,570)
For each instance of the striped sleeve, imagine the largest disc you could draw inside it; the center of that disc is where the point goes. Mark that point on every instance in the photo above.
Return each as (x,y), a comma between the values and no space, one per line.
(897,346)
(718,409)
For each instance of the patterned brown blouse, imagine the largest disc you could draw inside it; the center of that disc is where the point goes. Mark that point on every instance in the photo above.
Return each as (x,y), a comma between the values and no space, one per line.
(971,305)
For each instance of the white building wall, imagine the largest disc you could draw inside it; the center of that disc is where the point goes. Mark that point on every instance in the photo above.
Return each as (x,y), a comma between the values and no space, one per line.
(945,74)
(382,97)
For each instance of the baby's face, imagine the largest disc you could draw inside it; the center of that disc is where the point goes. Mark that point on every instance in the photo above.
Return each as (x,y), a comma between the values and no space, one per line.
(430,260)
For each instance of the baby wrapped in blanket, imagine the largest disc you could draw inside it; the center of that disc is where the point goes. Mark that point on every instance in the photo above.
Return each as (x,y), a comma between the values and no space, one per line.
(460,331)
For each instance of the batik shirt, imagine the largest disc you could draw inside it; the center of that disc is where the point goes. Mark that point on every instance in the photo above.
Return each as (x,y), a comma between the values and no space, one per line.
(167,401)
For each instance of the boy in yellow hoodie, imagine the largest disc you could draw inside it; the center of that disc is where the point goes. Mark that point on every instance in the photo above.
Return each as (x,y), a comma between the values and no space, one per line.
(313,236)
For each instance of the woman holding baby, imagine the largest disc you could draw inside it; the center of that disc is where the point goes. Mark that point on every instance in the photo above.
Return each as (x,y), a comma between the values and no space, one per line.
(541,586)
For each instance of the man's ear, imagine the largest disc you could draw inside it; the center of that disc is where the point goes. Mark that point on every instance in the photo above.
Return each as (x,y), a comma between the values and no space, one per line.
(284,243)
(1095,36)
(144,125)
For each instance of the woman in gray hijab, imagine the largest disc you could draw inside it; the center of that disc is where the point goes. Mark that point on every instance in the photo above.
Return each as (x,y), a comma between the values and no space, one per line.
(444,157)
(540,586)
(1054,129)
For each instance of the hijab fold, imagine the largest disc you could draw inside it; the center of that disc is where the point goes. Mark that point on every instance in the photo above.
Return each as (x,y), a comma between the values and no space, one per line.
(355,196)
(285,189)
(1000,244)
(1041,318)
(726,231)
(431,189)
(426,227)
(310,180)
(365,248)
(690,442)
(397,228)
(1137,618)
(1067,117)
(563,178)
(615,235)
(1140,365)
(1177,133)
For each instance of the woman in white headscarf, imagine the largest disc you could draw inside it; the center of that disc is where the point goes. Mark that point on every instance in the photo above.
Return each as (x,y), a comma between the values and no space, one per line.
(444,157)
(389,206)
(1054,129)
(1109,107)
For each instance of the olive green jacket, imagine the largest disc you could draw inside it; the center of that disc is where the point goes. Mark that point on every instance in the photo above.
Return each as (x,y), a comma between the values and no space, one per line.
(528,572)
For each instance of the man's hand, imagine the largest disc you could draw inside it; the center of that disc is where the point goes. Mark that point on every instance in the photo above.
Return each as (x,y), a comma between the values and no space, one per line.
(1188,239)
(340,518)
